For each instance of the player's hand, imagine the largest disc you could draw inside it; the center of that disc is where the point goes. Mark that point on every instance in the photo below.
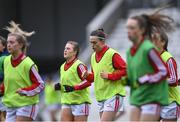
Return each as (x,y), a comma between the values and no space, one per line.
(68,88)
(104,75)
(19,91)
(57,86)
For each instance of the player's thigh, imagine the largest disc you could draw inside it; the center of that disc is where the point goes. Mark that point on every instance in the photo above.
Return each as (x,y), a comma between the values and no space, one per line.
(119,114)
(66,113)
(23,119)
(108,116)
(82,118)
(149,117)
(135,113)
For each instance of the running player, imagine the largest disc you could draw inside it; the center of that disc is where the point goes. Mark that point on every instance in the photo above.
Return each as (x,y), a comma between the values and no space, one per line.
(52,98)
(21,79)
(172,111)
(146,71)
(75,105)
(107,69)
(3,54)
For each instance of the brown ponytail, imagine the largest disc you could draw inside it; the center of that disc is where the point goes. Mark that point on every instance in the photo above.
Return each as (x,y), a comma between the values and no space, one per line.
(155,22)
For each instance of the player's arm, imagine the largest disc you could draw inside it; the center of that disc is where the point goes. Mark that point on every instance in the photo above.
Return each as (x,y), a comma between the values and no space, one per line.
(87,79)
(172,70)
(37,84)
(160,70)
(120,69)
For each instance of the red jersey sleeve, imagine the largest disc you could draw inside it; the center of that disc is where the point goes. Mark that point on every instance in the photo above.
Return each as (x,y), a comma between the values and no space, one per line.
(120,68)
(160,70)
(86,82)
(37,83)
(172,72)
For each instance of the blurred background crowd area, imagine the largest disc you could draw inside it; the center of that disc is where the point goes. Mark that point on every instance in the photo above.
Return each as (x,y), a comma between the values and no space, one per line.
(57,21)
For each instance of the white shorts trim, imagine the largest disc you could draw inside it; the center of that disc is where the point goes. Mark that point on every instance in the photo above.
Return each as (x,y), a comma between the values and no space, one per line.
(2,106)
(27,111)
(151,108)
(113,104)
(78,110)
(171,111)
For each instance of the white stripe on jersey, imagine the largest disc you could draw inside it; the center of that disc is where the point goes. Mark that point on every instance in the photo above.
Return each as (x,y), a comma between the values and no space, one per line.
(37,89)
(172,72)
